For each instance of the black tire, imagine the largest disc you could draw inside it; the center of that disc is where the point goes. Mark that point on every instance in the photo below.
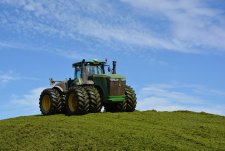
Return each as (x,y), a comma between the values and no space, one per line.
(48,102)
(63,104)
(130,99)
(94,97)
(77,102)
(61,101)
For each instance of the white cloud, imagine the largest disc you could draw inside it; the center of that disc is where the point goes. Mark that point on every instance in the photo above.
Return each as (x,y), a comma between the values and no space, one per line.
(191,24)
(6,77)
(27,104)
(7,45)
(200,89)
(170,97)
(72,54)
(28,100)
(10,75)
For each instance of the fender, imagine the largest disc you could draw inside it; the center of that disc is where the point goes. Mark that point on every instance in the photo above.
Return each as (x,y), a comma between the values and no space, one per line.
(62,86)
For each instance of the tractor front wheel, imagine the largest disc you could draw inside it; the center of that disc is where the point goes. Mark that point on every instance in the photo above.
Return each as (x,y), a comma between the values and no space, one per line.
(130,99)
(95,104)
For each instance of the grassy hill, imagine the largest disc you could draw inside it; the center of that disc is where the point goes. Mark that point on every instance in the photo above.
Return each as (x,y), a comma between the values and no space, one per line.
(147,130)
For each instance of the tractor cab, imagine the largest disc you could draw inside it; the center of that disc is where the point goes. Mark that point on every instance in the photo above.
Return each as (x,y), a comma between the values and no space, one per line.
(85,70)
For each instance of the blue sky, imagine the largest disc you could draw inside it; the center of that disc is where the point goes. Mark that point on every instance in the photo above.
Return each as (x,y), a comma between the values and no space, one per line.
(171,51)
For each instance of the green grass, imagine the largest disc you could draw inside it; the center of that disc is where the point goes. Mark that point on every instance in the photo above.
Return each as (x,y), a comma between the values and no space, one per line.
(149,130)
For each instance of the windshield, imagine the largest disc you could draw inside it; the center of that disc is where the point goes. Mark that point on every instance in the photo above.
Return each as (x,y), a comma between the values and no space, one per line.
(93,70)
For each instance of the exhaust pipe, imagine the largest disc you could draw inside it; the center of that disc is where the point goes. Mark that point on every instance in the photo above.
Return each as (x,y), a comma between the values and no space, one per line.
(114,67)
(83,72)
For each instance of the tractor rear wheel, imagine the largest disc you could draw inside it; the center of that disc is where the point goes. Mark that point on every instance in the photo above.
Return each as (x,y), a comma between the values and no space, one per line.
(62,104)
(130,99)
(61,100)
(95,104)
(77,101)
(48,101)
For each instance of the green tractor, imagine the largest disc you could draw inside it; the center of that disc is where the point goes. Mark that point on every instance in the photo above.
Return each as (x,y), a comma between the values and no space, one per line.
(89,91)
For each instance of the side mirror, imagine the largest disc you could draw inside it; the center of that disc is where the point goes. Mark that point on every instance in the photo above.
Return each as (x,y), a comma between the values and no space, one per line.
(109,70)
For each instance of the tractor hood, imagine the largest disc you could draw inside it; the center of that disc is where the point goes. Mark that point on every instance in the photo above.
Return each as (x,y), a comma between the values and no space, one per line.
(112,86)
(113,76)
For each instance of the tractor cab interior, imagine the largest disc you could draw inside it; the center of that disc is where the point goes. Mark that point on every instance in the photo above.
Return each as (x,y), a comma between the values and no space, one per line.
(88,70)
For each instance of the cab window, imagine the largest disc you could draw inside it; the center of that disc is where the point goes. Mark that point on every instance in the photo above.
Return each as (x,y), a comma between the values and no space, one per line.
(77,72)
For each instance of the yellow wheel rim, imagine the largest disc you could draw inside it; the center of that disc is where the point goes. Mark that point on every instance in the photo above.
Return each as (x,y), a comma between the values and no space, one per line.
(72,102)
(46,103)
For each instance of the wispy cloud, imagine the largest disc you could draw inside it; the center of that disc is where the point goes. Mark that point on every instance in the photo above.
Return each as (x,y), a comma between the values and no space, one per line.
(72,54)
(203,90)
(26,104)
(176,96)
(28,100)
(8,44)
(10,75)
(6,77)
(190,26)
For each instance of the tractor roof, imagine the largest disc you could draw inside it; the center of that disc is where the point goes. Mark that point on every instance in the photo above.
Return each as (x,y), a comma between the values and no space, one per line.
(93,62)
